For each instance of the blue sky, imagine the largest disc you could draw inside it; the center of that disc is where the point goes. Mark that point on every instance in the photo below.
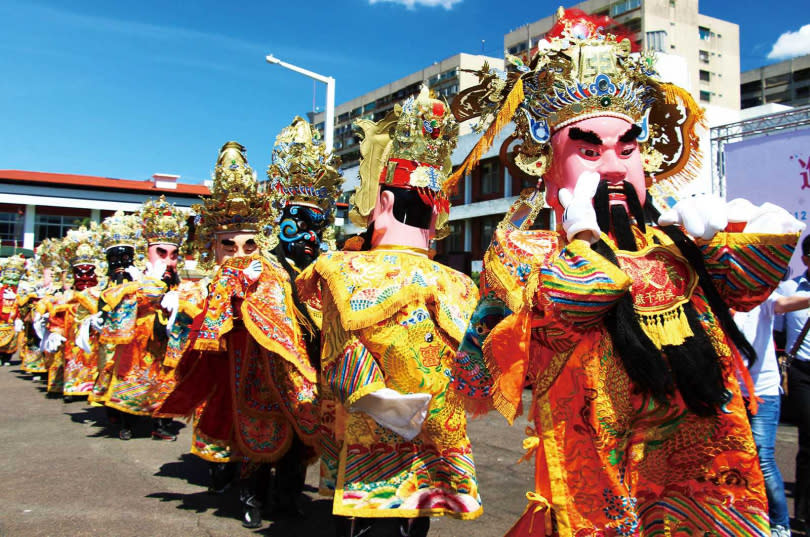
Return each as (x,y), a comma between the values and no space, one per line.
(128,89)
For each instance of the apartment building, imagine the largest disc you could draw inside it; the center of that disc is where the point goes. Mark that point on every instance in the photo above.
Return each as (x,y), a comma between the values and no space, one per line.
(446,78)
(786,82)
(710,46)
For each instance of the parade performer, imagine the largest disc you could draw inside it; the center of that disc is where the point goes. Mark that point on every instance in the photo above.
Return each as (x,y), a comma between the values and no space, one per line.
(619,321)
(12,271)
(395,442)
(39,285)
(136,319)
(225,227)
(81,251)
(254,327)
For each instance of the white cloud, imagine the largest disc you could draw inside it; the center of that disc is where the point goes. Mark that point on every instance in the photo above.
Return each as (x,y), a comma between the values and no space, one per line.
(791,44)
(411,4)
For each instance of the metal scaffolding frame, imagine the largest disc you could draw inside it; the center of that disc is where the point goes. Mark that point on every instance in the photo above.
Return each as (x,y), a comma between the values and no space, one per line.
(788,120)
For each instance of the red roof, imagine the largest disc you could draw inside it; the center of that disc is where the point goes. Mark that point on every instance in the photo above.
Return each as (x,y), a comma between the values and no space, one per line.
(59,179)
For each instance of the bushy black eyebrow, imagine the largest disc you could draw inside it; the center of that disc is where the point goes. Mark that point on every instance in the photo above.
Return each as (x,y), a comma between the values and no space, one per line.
(227,242)
(631,134)
(585,136)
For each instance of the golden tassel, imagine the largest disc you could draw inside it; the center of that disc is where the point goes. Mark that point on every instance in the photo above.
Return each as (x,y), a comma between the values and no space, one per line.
(504,116)
(667,328)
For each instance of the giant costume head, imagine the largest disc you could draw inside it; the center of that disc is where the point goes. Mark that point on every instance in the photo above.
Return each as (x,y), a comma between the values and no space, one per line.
(303,189)
(13,270)
(120,239)
(406,159)
(81,254)
(227,221)
(164,229)
(583,106)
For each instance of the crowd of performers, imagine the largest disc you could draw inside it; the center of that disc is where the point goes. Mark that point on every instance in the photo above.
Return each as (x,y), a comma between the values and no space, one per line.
(368,358)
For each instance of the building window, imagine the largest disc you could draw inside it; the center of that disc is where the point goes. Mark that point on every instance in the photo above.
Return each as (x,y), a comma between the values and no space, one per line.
(49,226)
(703,55)
(705,96)
(11,228)
(490,178)
(488,225)
(705,76)
(623,7)
(454,242)
(705,33)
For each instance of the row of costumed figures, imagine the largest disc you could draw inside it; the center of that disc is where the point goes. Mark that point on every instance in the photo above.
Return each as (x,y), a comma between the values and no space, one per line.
(368,359)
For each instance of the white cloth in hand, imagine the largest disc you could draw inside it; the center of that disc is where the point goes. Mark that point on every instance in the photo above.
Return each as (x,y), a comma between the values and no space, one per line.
(702,215)
(253,270)
(579,213)
(767,218)
(170,303)
(134,273)
(83,335)
(52,342)
(41,326)
(402,413)
(9,294)
(19,326)
(155,270)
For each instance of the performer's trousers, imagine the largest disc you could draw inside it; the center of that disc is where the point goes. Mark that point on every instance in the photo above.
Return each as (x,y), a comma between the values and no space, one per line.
(799,392)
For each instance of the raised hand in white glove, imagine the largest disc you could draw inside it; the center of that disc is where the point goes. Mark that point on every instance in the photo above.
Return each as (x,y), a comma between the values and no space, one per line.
(134,273)
(53,342)
(41,325)
(18,325)
(156,269)
(767,218)
(702,216)
(253,270)
(9,294)
(96,321)
(83,335)
(402,413)
(170,303)
(579,215)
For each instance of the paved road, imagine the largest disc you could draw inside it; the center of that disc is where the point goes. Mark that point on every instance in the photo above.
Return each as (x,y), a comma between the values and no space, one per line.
(62,473)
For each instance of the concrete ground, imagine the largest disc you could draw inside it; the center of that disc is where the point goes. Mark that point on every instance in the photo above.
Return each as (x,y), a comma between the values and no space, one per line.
(63,473)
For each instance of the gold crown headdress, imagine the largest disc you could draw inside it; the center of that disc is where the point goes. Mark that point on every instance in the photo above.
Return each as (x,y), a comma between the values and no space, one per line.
(81,247)
(579,72)
(13,269)
(163,223)
(121,229)
(302,173)
(409,148)
(47,254)
(234,204)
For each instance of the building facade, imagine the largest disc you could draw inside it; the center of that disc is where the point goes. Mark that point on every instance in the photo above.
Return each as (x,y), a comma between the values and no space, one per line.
(710,46)
(37,205)
(786,82)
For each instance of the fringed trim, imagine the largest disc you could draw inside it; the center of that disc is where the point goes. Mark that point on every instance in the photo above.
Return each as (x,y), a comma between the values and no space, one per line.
(273,346)
(666,328)
(513,100)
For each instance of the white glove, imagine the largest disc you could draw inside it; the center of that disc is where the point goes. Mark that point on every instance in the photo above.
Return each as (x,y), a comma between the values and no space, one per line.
(253,270)
(702,216)
(134,273)
(9,294)
(53,342)
(96,321)
(402,413)
(170,303)
(767,218)
(579,213)
(155,270)
(83,335)
(19,326)
(41,325)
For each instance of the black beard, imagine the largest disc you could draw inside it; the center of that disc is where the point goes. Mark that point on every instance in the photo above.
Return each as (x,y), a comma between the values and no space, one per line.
(659,372)
(171,278)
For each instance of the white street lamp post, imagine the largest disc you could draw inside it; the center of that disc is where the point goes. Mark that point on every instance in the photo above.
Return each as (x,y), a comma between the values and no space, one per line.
(329,123)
